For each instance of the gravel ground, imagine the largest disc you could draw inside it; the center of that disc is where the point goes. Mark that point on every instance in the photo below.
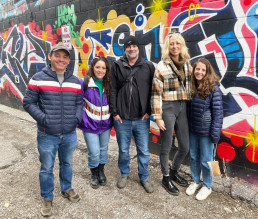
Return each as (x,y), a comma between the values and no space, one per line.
(20,196)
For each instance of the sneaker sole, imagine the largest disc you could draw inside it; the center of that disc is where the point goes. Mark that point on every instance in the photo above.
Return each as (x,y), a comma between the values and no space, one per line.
(199,186)
(120,187)
(94,187)
(171,193)
(46,215)
(103,183)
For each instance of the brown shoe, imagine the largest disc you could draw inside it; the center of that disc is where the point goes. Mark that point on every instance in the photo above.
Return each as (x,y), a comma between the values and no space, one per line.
(46,209)
(71,195)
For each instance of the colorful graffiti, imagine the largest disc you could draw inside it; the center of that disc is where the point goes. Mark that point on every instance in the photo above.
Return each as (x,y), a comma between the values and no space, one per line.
(223,31)
(10,8)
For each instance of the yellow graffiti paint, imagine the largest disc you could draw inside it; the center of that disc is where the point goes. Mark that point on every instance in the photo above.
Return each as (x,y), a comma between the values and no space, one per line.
(159,5)
(192,5)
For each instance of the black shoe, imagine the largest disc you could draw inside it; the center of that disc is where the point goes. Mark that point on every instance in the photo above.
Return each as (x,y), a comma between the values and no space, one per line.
(102,177)
(94,181)
(178,179)
(169,186)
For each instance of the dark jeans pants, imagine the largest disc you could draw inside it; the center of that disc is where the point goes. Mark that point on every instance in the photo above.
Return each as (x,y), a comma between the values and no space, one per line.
(175,117)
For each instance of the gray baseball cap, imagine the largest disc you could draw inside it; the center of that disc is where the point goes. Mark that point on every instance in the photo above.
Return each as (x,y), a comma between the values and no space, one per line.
(60,47)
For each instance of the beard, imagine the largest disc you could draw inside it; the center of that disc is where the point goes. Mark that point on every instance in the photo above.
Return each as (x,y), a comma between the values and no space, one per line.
(132,56)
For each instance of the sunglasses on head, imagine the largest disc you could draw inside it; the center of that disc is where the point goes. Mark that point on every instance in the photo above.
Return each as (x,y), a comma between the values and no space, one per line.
(173,31)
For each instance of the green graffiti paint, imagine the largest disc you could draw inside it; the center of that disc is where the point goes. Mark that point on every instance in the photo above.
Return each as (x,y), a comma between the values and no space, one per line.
(66,15)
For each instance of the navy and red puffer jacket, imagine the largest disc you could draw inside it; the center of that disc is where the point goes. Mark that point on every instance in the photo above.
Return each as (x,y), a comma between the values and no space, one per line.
(56,107)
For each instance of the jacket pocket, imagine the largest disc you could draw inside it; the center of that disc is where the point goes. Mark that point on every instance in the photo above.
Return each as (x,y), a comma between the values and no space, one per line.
(171,82)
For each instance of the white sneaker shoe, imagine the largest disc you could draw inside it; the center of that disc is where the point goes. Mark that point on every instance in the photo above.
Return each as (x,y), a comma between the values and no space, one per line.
(203,193)
(192,188)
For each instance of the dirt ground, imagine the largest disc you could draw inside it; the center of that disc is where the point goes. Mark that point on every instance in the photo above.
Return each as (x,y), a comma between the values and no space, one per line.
(20,196)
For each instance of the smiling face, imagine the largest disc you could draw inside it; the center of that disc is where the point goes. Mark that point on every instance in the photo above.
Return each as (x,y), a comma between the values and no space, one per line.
(100,69)
(174,48)
(200,71)
(132,52)
(59,60)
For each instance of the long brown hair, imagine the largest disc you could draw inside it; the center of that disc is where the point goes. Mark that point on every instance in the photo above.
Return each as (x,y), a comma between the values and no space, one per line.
(107,77)
(207,84)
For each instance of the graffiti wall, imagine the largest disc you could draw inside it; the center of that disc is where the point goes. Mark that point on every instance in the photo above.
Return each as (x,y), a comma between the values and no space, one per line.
(223,31)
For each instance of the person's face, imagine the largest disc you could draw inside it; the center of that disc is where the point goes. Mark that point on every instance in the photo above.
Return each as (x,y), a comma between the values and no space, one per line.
(132,52)
(59,61)
(100,69)
(200,71)
(174,47)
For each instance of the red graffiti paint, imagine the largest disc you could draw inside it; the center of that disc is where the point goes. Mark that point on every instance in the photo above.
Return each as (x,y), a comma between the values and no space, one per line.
(101,54)
(98,48)
(113,132)
(154,139)
(85,48)
(186,5)
(54,37)
(83,72)
(58,31)
(249,99)
(176,3)
(226,151)
(247,2)
(237,141)
(37,28)
(252,153)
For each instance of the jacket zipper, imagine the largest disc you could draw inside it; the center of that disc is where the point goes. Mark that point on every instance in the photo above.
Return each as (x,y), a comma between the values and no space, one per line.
(62,117)
(130,92)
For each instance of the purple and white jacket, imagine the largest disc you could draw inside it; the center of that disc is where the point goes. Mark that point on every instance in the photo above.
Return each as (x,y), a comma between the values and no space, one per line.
(96,118)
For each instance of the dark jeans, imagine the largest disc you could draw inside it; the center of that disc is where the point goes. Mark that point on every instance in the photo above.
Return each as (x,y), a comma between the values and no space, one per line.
(175,117)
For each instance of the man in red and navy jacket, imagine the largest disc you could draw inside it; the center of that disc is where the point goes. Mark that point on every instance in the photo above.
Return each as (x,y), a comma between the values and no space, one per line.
(54,100)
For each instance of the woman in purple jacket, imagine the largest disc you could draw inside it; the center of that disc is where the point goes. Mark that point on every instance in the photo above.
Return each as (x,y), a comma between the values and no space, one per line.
(96,122)
(205,122)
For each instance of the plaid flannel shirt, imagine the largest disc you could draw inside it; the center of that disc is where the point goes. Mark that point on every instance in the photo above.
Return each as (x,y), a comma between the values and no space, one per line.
(167,85)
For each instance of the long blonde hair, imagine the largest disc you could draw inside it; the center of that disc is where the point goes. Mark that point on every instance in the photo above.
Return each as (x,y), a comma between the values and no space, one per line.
(179,38)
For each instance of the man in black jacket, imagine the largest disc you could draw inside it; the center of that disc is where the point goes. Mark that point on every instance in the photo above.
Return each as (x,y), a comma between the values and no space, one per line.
(130,107)
(54,100)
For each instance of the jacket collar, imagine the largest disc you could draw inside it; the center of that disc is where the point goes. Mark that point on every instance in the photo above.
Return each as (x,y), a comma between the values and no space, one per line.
(126,63)
(92,83)
(51,73)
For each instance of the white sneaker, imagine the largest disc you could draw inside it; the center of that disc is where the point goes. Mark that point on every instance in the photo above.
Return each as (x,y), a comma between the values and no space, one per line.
(192,188)
(203,193)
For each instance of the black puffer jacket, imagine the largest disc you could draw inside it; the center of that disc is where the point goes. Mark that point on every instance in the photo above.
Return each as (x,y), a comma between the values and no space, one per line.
(206,115)
(120,95)
(56,108)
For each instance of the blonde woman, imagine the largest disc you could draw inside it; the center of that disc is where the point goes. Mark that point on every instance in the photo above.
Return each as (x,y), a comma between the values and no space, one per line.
(170,93)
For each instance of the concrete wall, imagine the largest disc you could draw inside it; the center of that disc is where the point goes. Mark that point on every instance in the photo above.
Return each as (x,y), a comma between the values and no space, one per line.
(224,31)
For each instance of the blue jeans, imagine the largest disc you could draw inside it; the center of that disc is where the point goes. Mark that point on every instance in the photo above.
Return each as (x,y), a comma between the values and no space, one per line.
(124,132)
(201,152)
(97,148)
(48,146)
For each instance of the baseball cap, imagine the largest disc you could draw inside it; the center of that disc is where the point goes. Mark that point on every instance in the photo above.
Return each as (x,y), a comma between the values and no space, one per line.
(60,47)
(130,40)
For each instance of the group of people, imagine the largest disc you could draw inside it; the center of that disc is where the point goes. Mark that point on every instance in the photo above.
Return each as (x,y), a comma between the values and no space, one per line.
(180,98)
